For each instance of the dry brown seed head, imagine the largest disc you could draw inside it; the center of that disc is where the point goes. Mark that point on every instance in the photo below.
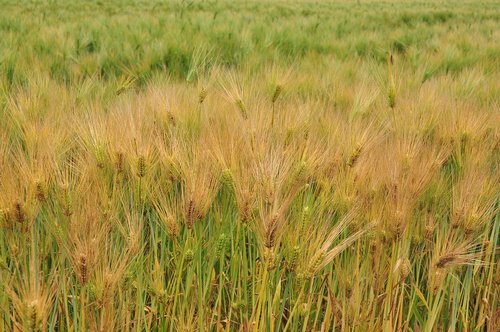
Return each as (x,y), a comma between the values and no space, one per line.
(83,268)
(200,214)
(270,237)
(67,204)
(374,246)
(119,162)
(271,231)
(190,214)
(171,118)
(39,191)
(445,259)
(19,213)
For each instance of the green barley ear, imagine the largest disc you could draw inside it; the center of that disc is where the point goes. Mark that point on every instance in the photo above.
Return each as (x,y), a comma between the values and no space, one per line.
(202,95)
(355,155)
(126,280)
(304,309)
(392,96)
(67,203)
(392,85)
(5,218)
(344,202)
(294,257)
(300,277)
(227,179)
(270,258)
(315,265)
(464,139)
(100,156)
(300,171)
(239,305)
(471,223)
(242,304)
(58,234)
(289,134)
(3,265)
(189,256)
(306,214)
(305,133)
(277,93)
(141,167)
(221,244)
(242,107)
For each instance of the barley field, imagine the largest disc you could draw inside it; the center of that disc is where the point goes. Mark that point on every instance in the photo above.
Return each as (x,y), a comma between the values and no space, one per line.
(249,165)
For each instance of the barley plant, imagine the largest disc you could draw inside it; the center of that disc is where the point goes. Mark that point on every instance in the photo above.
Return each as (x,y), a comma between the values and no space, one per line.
(249,165)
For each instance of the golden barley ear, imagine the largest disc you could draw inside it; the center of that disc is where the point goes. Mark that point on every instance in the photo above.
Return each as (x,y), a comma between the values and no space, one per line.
(141,166)
(19,212)
(40,191)
(119,162)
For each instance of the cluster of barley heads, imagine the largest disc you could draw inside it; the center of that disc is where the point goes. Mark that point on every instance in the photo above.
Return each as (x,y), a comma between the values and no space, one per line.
(228,203)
